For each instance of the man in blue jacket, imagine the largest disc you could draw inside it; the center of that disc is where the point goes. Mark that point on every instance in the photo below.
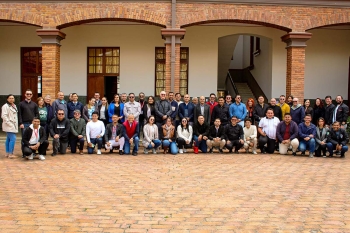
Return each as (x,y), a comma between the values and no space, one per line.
(307,134)
(239,110)
(186,110)
(297,111)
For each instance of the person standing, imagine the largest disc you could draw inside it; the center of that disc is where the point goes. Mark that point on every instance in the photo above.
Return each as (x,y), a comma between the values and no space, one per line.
(287,135)
(103,111)
(88,110)
(95,130)
(98,101)
(186,110)
(307,135)
(228,100)
(59,130)
(77,132)
(132,107)
(60,104)
(234,136)
(202,109)
(27,110)
(74,105)
(34,139)
(149,108)
(319,112)
(250,109)
(216,137)
(50,114)
(131,135)
(179,101)
(267,129)
(329,109)
(277,112)
(212,103)
(162,110)
(116,108)
(221,111)
(9,115)
(174,105)
(285,108)
(260,110)
(337,140)
(341,112)
(142,103)
(123,98)
(239,110)
(42,113)
(114,135)
(201,133)
(150,136)
(297,111)
(308,109)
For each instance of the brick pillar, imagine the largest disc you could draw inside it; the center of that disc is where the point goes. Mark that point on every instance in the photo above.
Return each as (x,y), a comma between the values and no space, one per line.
(172,74)
(51,60)
(296,43)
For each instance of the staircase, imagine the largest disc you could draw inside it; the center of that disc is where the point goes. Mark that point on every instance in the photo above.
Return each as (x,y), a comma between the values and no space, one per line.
(245,92)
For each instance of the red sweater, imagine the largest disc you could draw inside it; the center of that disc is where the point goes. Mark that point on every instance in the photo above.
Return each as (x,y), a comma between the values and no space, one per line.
(130,132)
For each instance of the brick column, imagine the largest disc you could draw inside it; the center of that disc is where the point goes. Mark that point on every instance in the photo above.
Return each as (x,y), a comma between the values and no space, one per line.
(172,38)
(296,43)
(51,60)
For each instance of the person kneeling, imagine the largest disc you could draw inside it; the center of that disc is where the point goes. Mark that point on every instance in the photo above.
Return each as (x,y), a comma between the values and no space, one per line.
(114,135)
(184,136)
(77,132)
(337,139)
(95,129)
(216,136)
(287,133)
(200,134)
(169,137)
(150,136)
(234,135)
(250,136)
(34,140)
(307,134)
(130,133)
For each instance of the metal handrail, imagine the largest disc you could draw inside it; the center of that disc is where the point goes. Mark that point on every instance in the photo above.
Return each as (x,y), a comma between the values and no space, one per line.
(232,83)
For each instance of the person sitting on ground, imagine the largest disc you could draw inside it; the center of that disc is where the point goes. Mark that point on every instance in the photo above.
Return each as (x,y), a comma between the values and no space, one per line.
(169,139)
(150,136)
(201,133)
(89,109)
(287,135)
(321,138)
(77,132)
(307,134)
(131,135)
(59,130)
(184,136)
(95,129)
(250,136)
(267,130)
(34,140)
(337,140)
(216,137)
(234,135)
(114,135)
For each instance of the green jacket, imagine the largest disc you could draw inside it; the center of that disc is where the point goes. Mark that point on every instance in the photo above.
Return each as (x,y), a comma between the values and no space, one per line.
(77,128)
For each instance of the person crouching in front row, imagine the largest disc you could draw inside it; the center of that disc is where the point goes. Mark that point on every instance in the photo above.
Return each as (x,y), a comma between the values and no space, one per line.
(95,129)
(200,133)
(250,136)
(234,135)
(216,137)
(150,136)
(114,135)
(130,133)
(169,142)
(34,139)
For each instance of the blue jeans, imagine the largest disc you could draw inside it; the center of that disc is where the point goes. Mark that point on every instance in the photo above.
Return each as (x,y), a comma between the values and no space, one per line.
(10,142)
(95,141)
(202,145)
(127,146)
(311,144)
(331,147)
(156,142)
(172,146)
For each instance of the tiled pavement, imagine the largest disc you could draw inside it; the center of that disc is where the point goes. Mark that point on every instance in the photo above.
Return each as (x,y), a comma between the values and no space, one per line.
(182,193)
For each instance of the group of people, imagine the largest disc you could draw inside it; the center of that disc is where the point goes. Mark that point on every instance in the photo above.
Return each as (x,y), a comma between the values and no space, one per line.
(174,125)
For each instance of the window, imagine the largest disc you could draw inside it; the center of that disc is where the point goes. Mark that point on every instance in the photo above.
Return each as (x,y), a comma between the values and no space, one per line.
(31,61)
(103,61)
(184,70)
(160,70)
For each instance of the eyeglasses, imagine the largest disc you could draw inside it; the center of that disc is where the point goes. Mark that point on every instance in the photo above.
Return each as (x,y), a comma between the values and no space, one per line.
(238,97)
(131,97)
(184,121)
(60,114)
(162,94)
(74,113)
(28,94)
(151,119)
(295,101)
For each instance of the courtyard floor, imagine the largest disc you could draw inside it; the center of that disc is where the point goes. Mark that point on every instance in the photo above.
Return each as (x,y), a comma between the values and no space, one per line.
(173,194)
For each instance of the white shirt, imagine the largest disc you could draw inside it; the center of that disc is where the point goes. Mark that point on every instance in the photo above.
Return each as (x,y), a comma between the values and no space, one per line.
(132,108)
(269,126)
(250,133)
(93,129)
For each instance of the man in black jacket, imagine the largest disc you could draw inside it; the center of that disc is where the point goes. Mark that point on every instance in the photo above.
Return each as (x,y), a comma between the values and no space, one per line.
(200,133)
(114,135)
(216,136)
(260,110)
(163,111)
(329,109)
(337,139)
(341,112)
(234,135)
(34,139)
(276,109)
(221,111)
(59,130)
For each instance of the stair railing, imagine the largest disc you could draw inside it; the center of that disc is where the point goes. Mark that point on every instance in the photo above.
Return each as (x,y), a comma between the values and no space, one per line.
(229,77)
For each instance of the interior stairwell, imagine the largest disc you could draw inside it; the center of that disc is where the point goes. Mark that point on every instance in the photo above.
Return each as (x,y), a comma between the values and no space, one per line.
(245,92)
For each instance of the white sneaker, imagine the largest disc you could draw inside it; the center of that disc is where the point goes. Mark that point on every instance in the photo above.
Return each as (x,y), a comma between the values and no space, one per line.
(41,157)
(145,151)
(98,152)
(31,156)
(254,152)
(185,150)
(181,151)
(154,151)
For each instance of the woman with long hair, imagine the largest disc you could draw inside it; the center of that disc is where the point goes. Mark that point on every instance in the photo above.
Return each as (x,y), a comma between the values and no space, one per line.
(9,115)
(169,137)
(150,136)
(103,111)
(116,108)
(149,108)
(321,138)
(89,108)
(42,113)
(184,136)
(250,109)
(319,111)
(308,109)
(290,100)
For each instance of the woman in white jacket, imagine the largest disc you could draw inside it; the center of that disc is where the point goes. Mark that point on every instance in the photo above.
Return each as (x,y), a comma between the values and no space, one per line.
(184,136)
(150,136)
(10,125)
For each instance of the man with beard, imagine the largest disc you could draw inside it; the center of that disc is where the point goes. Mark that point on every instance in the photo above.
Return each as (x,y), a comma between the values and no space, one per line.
(340,112)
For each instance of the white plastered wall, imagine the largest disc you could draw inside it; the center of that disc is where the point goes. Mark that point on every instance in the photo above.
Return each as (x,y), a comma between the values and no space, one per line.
(12,38)
(327,63)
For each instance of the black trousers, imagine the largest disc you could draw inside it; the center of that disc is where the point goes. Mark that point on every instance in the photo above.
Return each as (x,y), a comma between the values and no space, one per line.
(41,150)
(236,144)
(73,144)
(321,148)
(271,144)
(181,143)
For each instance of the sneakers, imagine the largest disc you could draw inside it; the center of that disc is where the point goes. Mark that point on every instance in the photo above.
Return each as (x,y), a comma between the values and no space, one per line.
(254,152)
(31,156)
(154,151)
(185,150)
(121,152)
(41,157)
(311,155)
(98,152)
(145,151)
(181,151)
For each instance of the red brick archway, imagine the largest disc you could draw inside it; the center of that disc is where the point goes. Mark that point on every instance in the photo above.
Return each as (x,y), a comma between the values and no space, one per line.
(329,18)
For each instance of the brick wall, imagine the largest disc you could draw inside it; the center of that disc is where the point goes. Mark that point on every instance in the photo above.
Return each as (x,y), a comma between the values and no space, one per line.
(295,72)
(51,62)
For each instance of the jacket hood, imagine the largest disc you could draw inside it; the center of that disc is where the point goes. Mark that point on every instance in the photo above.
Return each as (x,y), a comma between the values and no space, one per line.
(298,106)
(32,127)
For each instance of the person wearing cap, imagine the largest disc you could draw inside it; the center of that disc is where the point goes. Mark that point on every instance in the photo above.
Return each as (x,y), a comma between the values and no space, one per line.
(234,135)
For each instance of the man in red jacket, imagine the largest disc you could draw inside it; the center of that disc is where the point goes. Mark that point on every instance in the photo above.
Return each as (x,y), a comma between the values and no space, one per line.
(130,133)
(212,103)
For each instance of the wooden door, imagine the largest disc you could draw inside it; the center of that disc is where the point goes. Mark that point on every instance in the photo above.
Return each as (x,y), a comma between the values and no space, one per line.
(30,82)
(95,84)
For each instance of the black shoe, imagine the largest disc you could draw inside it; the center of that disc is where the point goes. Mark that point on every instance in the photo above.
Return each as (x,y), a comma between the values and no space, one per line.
(294,153)
(211,151)
(230,151)
(303,153)
(121,152)
(236,152)
(263,150)
(220,151)
(23,156)
(110,151)
(337,152)
(54,154)
(134,153)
